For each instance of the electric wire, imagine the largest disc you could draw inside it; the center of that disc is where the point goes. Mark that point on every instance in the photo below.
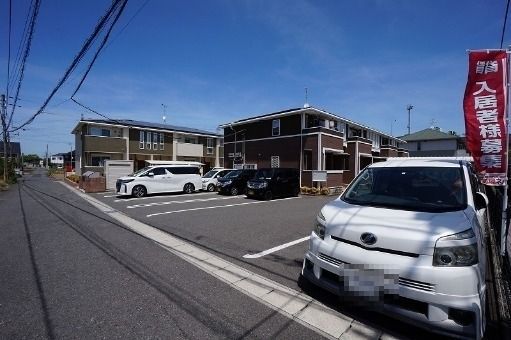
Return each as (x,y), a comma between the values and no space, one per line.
(504,26)
(85,47)
(33,20)
(23,40)
(9,51)
(98,51)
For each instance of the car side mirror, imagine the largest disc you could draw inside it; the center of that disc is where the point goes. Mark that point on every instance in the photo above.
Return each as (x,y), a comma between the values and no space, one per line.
(151,174)
(480,200)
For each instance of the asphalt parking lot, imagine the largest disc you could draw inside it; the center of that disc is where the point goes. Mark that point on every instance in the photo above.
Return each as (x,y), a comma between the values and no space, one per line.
(268,237)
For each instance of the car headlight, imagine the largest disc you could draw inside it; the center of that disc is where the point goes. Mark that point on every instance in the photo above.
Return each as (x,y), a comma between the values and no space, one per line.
(319,228)
(228,182)
(127,180)
(449,254)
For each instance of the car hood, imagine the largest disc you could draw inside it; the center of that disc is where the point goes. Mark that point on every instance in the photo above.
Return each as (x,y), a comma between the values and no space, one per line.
(258,180)
(124,178)
(227,179)
(412,232)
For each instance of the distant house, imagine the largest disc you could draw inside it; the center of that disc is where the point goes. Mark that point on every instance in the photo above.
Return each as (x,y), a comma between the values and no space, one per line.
(57,160)
(432,142)
(14,152)
(317,142)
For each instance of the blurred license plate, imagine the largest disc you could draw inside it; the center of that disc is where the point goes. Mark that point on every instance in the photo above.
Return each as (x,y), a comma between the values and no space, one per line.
(250,192)
(370,283)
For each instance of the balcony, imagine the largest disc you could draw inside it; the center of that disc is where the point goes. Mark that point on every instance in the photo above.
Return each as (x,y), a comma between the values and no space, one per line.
(323,130)
(190,150)
(104,144)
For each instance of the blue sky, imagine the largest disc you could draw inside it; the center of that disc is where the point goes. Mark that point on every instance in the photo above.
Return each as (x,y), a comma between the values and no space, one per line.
(213,62)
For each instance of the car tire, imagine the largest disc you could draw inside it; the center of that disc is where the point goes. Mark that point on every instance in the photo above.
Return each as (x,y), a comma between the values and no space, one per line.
(304,283)
(268,195)
(296,192)
(234,191)
(139,191)
(188,188)
(211,188)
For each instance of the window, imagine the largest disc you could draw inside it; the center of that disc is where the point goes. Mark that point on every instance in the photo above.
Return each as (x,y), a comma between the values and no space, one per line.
(184,170)
(155,141)
(158,171)
(209,148)
(336,161)
(307,159)
(141,141)
(419,146)
(162,142)
(275,162)
(96,131)
(189,140)
(275,127)
(148,140)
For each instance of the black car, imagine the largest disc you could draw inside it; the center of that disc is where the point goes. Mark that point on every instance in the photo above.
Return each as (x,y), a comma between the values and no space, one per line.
(272,182)
(235,182)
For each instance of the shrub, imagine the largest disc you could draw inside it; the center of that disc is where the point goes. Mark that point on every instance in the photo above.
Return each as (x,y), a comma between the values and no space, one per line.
(74,178)
(3,186)
(305,190)
(325,191)
(314,191)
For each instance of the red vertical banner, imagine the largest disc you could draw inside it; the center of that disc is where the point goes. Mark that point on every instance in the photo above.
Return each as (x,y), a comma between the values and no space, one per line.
(484,105)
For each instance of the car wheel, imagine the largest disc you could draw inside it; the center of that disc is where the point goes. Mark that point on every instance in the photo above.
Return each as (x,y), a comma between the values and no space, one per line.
(139,191)
(234,191)
(268,195)
(188,188)
(296,192)
(211,187)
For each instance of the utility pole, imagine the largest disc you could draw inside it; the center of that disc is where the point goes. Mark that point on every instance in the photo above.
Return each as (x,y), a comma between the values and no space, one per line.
(46,157)
(409,108)
(4,129)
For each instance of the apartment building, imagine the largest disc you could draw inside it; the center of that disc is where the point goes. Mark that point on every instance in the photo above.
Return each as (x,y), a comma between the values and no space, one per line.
(330,148)
(97,140)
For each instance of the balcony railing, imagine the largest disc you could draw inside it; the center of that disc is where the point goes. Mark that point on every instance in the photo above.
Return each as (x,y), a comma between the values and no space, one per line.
(191,150)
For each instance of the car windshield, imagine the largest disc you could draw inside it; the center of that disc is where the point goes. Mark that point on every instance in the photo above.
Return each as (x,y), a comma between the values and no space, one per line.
(210,174)
(140,171)
(429,189)
(263,174)
(233,174)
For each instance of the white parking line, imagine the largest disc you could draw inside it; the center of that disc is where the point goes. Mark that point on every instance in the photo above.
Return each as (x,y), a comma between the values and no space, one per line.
(277,248)
(110,196)
(149,197)
(180,202)
(217,206)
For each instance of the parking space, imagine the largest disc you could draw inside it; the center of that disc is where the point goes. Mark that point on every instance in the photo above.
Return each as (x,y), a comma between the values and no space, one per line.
(269,237)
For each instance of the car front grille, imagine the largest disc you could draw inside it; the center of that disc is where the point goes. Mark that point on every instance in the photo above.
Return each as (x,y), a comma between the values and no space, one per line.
(427,287)
(331,259)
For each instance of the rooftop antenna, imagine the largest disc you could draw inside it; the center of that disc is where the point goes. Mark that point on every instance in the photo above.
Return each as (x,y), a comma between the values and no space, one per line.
(433,123)
(164,113)
(306,105)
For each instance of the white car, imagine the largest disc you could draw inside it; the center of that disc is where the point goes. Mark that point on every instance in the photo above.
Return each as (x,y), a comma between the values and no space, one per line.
(210,179)
(159,179)
(407,236)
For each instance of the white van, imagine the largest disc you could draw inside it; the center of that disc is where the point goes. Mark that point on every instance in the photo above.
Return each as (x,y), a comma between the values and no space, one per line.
(210,179)
(408,236)
(159,179)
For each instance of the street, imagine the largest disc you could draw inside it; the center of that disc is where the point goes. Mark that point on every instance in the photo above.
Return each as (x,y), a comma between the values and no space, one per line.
(198,266)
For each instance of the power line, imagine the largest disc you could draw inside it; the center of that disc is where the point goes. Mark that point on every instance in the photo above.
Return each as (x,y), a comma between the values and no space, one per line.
(105,39)
(25,57)
(9,51)
(504,26)
(89,41)
(23,40)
